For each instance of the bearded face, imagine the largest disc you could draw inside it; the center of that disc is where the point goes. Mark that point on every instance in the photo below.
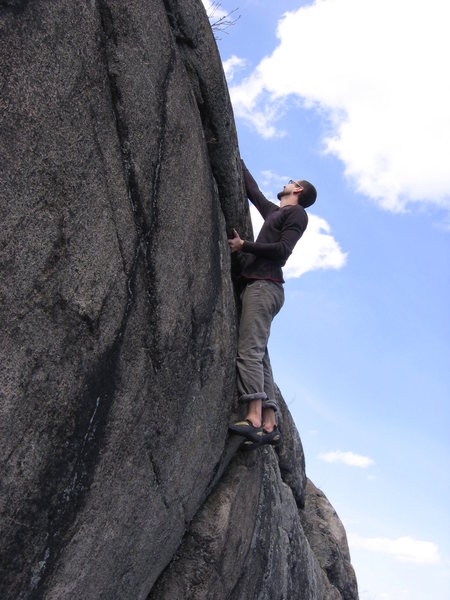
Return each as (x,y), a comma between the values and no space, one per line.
(284,192)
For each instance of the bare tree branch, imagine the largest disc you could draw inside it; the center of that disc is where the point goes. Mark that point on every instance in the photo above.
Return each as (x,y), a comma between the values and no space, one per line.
(225,21)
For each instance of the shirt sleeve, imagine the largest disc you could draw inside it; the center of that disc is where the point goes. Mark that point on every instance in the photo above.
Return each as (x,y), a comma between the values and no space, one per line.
(255,195)
(292,231)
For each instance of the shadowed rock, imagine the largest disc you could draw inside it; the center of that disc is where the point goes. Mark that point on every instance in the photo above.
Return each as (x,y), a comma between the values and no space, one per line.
(120,181)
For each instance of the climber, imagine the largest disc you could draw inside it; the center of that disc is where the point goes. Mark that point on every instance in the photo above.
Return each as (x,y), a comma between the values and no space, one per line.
(262,298)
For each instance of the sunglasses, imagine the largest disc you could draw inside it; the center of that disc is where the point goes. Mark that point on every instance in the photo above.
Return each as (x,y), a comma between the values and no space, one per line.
(294,182)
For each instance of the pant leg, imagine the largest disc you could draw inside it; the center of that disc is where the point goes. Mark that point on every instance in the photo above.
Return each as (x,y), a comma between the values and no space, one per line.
(269,387)
(261,301)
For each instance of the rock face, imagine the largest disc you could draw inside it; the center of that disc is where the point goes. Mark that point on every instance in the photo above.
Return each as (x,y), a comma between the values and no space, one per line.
(328,541)
(250,539)
(120,180)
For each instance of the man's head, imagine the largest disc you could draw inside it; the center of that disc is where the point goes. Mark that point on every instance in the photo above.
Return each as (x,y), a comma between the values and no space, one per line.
(304,191)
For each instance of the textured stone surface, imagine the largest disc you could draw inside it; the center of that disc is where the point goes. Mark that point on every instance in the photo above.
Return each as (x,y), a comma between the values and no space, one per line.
(291,458)
(247,542)
(120,180)
(327,538)
(264,533)
(117,306)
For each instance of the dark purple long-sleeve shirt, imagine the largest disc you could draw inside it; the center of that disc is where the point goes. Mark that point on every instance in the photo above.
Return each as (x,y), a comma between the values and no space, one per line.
(282,229)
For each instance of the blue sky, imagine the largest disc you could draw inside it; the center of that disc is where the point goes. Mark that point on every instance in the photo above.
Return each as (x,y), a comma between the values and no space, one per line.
(353,95)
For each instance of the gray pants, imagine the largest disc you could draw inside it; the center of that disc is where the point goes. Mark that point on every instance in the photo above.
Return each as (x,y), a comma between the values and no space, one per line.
(261,301)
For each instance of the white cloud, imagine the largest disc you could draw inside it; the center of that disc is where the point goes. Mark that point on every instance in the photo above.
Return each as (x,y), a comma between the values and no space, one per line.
(269,178)
(377,71)
(251,103)
(347,458)
(404,549)
(317,249)
(231,65)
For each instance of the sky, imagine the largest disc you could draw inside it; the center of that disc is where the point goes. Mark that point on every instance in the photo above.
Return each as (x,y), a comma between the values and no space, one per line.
(354,96)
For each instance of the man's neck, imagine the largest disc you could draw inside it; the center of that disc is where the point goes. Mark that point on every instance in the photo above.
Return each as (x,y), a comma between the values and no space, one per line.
(290,200)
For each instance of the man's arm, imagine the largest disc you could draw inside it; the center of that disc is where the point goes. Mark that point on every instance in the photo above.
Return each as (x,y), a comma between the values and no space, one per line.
(254,194)
(281,250)
(292,231)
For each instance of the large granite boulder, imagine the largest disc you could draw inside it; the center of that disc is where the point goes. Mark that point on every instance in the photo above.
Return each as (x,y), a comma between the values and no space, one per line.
(120,180)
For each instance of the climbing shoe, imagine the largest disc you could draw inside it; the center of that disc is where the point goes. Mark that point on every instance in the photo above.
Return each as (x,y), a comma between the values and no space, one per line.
(273,438)
(248,445)
(247,430)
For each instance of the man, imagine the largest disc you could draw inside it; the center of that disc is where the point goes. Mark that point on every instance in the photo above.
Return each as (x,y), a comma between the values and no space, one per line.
(262,298)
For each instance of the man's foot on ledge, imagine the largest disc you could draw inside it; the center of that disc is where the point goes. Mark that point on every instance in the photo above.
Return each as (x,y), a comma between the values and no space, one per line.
(247,430)
(271,437)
